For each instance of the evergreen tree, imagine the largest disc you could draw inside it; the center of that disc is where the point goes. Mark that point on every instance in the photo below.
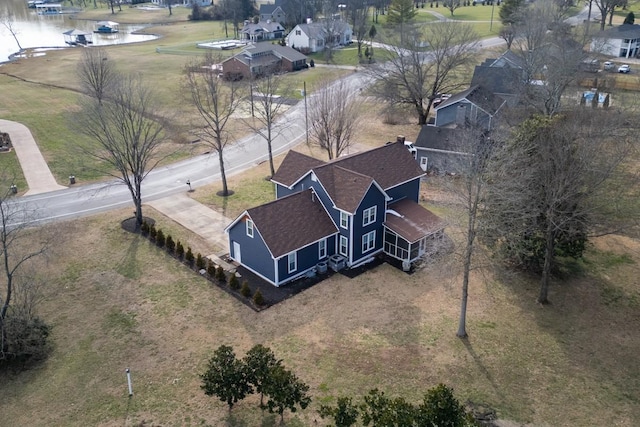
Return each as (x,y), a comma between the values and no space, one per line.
(511,11)
(260,362)
(630,19)
(401,12)
(285,391)
(226,377)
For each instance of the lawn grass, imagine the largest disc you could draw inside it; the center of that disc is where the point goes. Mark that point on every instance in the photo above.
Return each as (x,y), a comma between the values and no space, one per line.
(570,363)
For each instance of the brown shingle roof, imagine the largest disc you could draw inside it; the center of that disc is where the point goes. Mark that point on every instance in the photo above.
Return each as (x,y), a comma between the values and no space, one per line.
(345,187)
(415,221)
(293,167)
(292,222)
(389,165)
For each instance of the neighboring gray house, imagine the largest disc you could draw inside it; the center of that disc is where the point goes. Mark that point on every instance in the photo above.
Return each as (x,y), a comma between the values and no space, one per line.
(436,149)
(504,76)
(475,106)
(263,30)
(622,41)
(316,36)
(272,12)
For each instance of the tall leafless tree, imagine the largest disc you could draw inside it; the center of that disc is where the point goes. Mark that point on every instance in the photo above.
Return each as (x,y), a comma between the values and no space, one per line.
(563,178)
(472,164)
(96,73)
(18,292)
(358,12)
(551,59)
(334,114)
(414,76)
(216,101)
(8,21)
(270,94)
(127,133)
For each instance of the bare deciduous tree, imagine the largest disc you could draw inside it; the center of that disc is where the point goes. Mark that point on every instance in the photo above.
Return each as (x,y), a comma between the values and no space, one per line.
(413,76)
(269,96)
(561,180)
(8,21)
(334,114)
(22,333)
(96,73)
(472,164)
(127,134)
(551,59)
(216,101)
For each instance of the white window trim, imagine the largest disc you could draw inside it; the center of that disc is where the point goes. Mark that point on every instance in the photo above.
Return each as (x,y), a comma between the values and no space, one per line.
(346,246)
(345,216)
(368,241)
(289,263)
(322,249)
(249,228)
(371,214)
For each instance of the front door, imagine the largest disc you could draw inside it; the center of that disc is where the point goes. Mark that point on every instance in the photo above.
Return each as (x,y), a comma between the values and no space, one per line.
(236,252)
(423,163)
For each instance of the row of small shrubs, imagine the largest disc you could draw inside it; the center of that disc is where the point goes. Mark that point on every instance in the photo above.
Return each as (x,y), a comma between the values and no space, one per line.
(213,272)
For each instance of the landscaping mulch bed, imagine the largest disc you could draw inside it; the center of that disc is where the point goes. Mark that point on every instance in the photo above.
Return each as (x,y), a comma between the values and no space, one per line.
(271,294)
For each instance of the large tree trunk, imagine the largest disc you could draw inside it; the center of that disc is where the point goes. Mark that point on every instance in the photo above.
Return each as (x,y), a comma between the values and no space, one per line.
(271,168)
(138,201)
(548,263)
(471,234)
(223,175)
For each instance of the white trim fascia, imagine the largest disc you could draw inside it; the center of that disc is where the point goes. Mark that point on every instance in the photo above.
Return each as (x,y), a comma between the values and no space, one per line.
(366,258)
(307,245)
(259,274)
(437,150)
(409,180)
(235,221)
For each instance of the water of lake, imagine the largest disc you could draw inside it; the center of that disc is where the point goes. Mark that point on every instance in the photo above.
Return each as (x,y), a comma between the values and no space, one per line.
(35,30)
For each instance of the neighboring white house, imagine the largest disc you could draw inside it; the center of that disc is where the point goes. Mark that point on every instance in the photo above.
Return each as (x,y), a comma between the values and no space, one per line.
(315,36)
(263,30)
(622,41)
(183,2)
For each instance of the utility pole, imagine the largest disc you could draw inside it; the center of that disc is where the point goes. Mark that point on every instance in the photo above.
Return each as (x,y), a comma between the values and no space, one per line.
(306,116)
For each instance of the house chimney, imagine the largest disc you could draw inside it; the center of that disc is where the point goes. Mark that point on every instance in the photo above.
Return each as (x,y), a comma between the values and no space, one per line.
(400,139)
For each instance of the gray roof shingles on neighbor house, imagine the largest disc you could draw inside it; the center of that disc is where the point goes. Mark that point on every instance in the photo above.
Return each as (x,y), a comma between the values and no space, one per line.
(479,96)
(304,221)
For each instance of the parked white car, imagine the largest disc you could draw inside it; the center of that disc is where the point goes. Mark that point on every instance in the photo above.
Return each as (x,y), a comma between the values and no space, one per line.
(624,69)
(608,66)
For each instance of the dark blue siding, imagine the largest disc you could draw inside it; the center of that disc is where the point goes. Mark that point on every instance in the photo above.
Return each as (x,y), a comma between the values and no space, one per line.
(373,198)
(253,251)
(282,191)
(307,258)
(408,190)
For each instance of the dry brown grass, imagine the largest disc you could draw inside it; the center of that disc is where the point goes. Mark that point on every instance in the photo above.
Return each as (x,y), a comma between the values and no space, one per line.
(115,301)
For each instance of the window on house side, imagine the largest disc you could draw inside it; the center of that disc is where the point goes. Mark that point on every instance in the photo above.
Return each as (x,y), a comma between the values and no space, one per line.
(368,241)
(322,248)
(369,216)
(292,262)
(298,32)
(343,246)
(344,220)
(249,228)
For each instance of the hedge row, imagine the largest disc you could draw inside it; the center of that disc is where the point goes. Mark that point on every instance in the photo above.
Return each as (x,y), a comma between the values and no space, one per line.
(203,265)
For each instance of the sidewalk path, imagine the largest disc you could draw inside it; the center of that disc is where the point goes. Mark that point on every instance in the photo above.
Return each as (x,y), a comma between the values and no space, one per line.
(194,216)
(35,169)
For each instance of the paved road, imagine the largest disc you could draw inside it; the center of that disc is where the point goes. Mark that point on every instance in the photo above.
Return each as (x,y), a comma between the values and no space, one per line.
(84,200)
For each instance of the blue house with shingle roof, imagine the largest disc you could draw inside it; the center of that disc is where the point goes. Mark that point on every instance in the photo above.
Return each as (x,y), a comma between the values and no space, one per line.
(345,211)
